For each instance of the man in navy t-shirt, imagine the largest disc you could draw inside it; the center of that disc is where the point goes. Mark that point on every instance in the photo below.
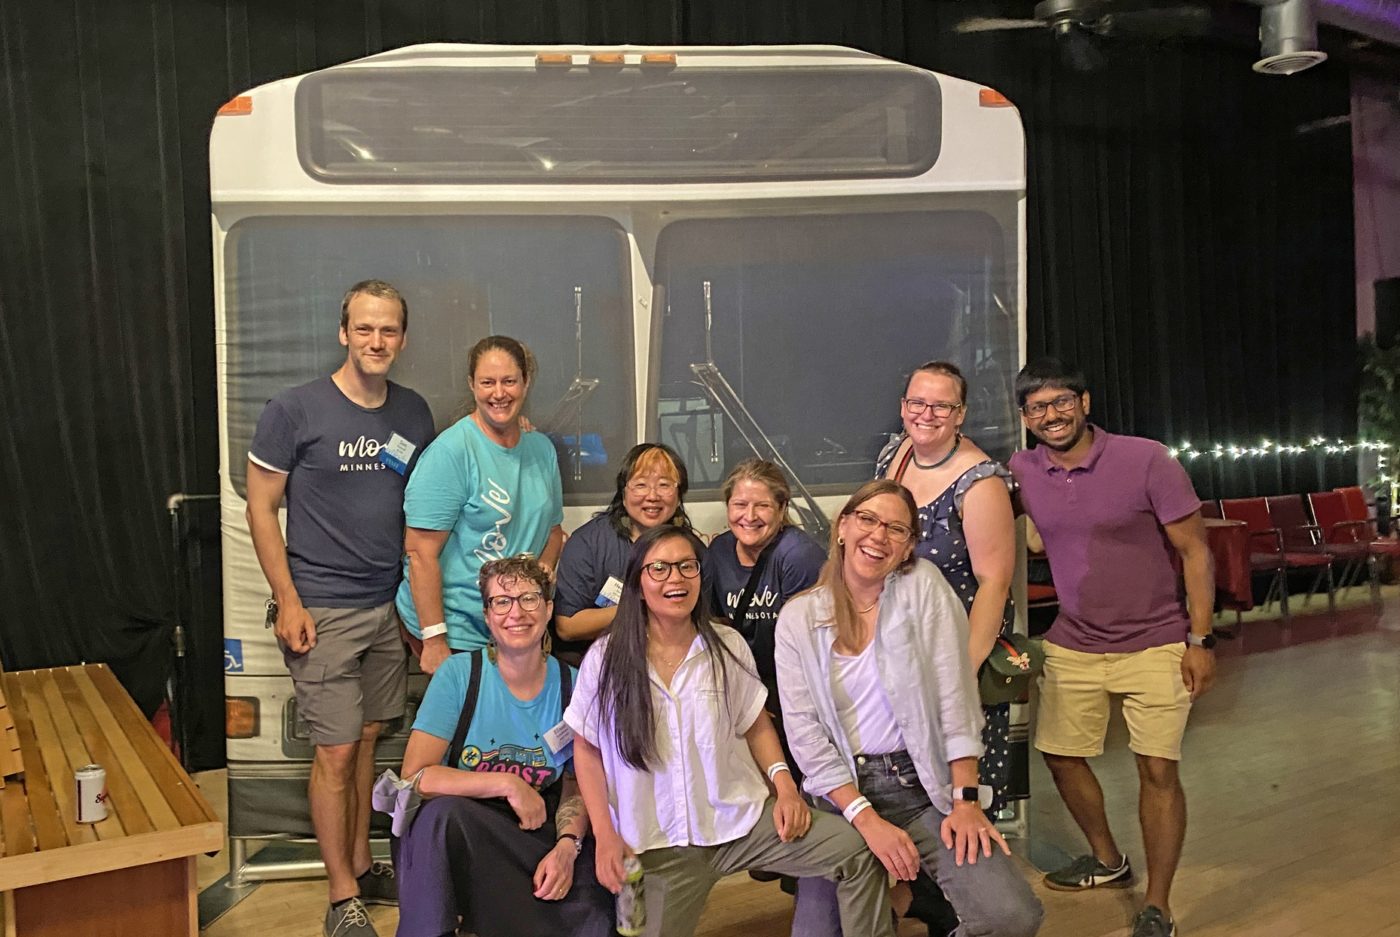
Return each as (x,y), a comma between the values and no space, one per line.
(340,450)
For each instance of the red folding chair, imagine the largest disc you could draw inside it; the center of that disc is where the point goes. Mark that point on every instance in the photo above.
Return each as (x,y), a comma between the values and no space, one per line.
(1302,539)
(1357,510)
(1339,531)
(1210,509)
(1267,553)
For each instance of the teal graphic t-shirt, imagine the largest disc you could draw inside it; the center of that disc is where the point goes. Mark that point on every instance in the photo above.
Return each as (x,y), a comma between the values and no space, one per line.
(506,734)
(496,502)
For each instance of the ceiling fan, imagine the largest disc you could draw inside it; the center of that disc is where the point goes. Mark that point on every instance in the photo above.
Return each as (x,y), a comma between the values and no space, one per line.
(1079,25)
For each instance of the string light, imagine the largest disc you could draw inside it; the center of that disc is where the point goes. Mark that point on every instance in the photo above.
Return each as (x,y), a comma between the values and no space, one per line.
(1318,445)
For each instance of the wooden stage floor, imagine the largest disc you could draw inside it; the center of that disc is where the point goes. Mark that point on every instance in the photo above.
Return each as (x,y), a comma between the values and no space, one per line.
(1292,773)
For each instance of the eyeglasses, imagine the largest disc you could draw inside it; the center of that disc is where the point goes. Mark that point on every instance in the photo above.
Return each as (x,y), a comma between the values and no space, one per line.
(868,523)
(660,570)
(529,602)
(1062,404)
(664,487)
(915,406)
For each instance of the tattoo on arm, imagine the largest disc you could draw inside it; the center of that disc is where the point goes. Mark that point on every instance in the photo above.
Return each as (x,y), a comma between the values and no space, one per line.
(570,811)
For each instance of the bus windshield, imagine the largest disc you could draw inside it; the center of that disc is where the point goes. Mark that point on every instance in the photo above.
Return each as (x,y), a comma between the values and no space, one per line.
(470,277)
(816,322)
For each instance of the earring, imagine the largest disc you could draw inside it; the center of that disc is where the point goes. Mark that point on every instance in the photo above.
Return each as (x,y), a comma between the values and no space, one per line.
(840,541)
(491,652)
(546,645)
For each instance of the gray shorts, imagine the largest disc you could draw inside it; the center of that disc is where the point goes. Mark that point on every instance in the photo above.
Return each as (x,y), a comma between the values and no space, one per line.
(356,673)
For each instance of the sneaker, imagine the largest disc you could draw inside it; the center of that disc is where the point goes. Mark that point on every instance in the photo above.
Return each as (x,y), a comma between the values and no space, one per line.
(1089,872)
(1151,922)
(349,920)
(378,886)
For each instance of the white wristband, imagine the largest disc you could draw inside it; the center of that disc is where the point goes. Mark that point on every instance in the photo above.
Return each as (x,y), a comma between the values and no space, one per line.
(854,808)
(432,631)
(777,766)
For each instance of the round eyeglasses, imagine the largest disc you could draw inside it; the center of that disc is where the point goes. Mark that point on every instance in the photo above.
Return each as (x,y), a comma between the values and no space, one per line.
(529,602)
(660,570)
(868,523)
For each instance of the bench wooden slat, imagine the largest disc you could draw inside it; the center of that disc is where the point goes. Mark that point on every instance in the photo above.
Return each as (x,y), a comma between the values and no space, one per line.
(56,763)
(48,824)
(121,795)
(147,789)
(189,805)
(78,754)
(14,816)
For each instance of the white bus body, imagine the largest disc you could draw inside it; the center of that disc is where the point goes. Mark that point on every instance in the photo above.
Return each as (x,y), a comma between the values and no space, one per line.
(728,249)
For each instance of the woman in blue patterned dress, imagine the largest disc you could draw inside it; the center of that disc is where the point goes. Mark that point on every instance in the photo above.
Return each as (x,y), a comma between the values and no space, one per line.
(966,527)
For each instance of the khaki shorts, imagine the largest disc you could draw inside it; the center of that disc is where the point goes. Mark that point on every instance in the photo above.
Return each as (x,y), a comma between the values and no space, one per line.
(1074,701)
(356,673)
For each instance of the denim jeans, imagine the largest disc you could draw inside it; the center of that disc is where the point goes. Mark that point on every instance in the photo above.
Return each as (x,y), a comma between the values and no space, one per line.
(990,896)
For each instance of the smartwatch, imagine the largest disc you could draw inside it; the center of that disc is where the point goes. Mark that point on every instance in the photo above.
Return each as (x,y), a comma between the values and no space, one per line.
(981,795)
(1206,640)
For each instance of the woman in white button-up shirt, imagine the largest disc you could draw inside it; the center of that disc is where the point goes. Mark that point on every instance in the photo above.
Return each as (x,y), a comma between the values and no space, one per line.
(671,747)
(882,713)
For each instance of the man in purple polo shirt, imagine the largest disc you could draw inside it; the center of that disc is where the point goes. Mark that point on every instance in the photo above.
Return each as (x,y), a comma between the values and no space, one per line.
(1115,513)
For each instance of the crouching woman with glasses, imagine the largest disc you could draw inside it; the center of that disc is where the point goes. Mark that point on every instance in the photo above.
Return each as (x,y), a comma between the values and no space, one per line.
(672,744)
(882,713)
(501,840)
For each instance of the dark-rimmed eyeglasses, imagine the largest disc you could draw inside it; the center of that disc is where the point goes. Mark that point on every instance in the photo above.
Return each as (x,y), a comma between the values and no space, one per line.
(529,602)
(868,523)
(660,570)
(1062,404)
(915,406)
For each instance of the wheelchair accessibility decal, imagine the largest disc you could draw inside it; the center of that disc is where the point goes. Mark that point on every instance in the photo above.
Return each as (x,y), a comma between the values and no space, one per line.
(233,655)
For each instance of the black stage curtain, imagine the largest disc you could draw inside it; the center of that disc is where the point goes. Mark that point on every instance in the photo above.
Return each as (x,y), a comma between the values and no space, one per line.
(1187,247)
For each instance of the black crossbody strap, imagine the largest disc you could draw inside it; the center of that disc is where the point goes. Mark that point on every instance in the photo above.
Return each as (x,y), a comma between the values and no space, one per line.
(741,609)
(566,687)
(464,722)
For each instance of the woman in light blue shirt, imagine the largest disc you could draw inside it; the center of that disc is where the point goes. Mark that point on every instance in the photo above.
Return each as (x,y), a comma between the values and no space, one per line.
(882,713)
(485,489)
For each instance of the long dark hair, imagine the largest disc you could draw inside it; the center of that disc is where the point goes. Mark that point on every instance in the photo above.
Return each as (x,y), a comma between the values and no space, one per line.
(616,510)
(624,686)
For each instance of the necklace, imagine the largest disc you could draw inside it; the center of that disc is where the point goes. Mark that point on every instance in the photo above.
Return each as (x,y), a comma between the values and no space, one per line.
(957,441)
(871,607)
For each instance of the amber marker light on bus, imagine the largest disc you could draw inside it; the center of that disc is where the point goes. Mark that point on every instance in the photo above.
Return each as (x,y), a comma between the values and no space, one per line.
(653,59)
(988,97)
(553,60)
(607,59)
(240,106)
(240,717)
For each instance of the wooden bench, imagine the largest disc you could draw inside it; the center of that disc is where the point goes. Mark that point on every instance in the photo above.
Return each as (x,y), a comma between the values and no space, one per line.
(130,874)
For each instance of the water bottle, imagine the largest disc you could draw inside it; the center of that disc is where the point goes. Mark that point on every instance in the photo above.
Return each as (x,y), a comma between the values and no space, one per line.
(631,902)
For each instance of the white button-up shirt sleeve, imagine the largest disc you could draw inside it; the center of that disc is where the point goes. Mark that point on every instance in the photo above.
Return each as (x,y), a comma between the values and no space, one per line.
(805,690)
(582,715)
(946,629)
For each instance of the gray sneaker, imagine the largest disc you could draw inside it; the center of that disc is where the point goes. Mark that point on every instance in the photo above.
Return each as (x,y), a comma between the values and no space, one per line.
(349,920)
(1151,922)
(378,886)
(1089,872)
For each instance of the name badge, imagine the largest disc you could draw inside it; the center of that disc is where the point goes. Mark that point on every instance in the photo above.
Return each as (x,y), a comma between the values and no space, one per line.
(397,453)
(559,738)
(610,594)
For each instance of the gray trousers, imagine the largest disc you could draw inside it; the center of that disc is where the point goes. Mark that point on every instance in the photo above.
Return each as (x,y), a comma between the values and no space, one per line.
(990,897)
(678,879)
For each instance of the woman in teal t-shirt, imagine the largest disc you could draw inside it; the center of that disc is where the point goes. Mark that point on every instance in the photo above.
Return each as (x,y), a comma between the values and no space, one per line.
(484,489)
(501,841)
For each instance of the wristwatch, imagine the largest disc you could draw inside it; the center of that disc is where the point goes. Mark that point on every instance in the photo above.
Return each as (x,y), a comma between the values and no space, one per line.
(578,843)
(981,795)
(1206,640)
